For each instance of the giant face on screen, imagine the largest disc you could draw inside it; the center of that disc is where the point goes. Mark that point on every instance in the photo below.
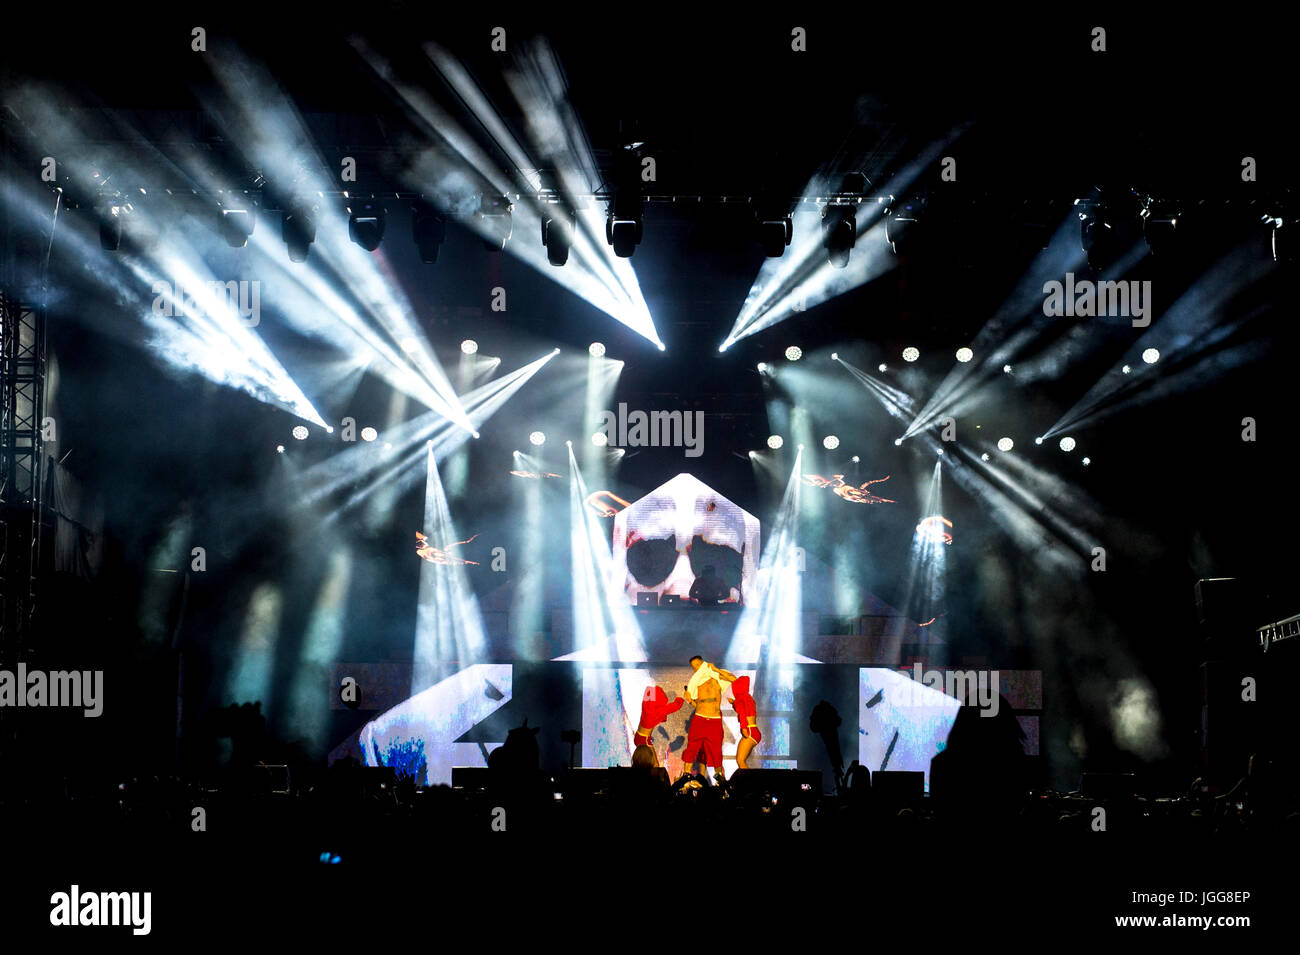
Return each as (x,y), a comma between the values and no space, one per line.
(666,539)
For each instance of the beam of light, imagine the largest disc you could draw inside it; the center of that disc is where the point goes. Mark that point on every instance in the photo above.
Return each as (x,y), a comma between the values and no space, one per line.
(308,716)
(249,677)
(602,379)
(264,124)
(769,631)
(803,278)
(170,559)
(925,588)
(449,627)
(1018,323)
(530,571)
(454,170)
(1190,337)
(899,404)
(379,509)
(389,463)
(604,626)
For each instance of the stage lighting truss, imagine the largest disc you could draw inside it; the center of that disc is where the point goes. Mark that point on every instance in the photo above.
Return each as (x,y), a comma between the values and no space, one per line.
(496,215)
(840,219)
(428,230)
(365,221)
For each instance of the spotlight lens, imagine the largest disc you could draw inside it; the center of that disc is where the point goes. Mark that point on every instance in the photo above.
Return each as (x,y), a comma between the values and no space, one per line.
(830,442)
(600,439)
(762,367)
(855,459)
(984,456)
(537,438)
(965,354)
(469,346)
(280,448)
(1006,369)
(300,432)
(835,356)
(794,353)
(1038,440)
(596,350)
(1126,369)
(369,434)
(1005,444)
(1067,444)
(911,354)
(898,442)
(881,367)
(775,441)
(1151,356)
(1087,461)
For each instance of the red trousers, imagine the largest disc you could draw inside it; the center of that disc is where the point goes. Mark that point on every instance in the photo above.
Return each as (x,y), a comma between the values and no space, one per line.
(704,741)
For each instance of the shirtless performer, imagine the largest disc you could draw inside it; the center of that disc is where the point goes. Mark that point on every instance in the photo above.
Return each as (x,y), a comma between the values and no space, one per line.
(704,741)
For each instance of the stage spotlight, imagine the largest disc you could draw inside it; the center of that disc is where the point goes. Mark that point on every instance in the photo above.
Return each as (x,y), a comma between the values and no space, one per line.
(537,438)
(1006,369)
(775,226)
(369,434)
(762,367)
(839,220)
(1038,440)
(775,441)
(329,428)
(623,224)
(495,215)
(1126,369)
(600,439)
(236,225)
(1005,444)
(596,350)
(279,448)
(964,354)
(568,444)
(901,220)
(830,442)
(557,235)
(469,346)
(984,456)
(801,447)
(835,356)
(938,451)
(1087,461)
(898,442)
(911,354)
(1151,356)
(300,432)
(1066,444)
(298,229)
(793,353)
(111,222)
(855,459)
(882,367)
(366,223)
(428,230)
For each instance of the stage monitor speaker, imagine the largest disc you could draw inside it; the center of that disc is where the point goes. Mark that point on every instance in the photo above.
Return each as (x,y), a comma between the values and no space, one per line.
(671,600)
(898,787)
(799,786)
(1108,785)
(576,783)
(647,598)
(474,778)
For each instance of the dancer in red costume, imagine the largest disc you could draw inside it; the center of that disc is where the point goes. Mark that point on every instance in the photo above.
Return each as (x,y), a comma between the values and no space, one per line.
(655,708)
(746,713)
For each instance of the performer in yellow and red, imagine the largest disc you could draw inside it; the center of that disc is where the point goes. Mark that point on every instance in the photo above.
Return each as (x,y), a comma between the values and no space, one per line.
(746,713)
(655,708)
